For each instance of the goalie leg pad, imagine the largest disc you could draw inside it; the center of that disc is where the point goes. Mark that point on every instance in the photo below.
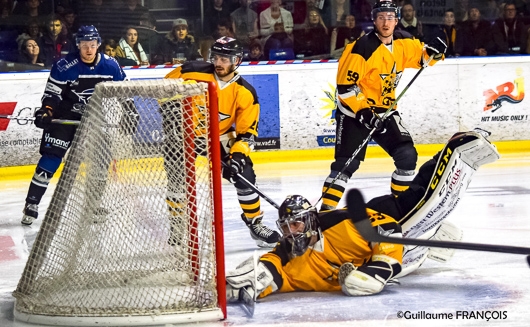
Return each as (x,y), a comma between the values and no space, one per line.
(446,232)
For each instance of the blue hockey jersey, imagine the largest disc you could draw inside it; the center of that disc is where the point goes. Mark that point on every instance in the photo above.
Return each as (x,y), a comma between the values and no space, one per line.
(72,82)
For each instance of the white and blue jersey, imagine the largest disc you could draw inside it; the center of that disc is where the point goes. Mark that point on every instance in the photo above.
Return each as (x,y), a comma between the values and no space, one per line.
(71,83)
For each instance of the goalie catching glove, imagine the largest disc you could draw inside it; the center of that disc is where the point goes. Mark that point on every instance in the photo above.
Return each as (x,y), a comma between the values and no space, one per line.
(43,117)
(370,119)
(436,48)
(369,278)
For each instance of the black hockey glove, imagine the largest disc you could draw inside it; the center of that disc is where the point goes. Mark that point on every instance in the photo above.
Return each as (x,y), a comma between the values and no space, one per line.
(237,162)
(436,48)
(370,119)
(43,117)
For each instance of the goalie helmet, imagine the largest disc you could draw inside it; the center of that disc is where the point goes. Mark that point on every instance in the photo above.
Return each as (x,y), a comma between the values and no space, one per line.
(385,6)
(87,33)
(298,222)
(227,47)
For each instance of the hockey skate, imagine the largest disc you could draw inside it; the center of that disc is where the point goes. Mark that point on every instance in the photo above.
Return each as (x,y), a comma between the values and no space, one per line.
(263,235)
(31,212)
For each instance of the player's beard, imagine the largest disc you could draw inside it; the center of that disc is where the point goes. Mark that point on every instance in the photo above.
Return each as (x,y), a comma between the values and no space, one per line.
(222,72)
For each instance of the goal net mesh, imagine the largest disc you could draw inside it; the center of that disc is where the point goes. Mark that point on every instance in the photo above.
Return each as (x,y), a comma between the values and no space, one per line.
(129,230)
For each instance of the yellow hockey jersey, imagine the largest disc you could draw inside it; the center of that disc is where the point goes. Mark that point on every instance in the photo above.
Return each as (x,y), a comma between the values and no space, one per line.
(369,72)
(318,268)
(238,104)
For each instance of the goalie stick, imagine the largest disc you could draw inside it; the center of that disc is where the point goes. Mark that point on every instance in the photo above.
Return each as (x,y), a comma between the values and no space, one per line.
(54,121)
(357,210)
(372,131)
(253,187)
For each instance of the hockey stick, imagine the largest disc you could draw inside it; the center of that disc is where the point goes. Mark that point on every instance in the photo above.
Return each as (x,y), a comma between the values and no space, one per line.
(54,121)
(252,186)
(357,211)
(372,131)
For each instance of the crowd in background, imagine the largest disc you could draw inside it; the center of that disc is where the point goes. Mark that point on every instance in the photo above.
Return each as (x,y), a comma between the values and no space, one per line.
(39,32)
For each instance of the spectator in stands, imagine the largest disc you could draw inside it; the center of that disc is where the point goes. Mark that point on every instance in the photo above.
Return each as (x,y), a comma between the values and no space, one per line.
(461,10)
(29,9)
(30,52)
(6,7)
(491,10)
(70,22)
(509,33)
(276,27)
(149,37)
(224,28)
(244,23)
(255,52)
(410,23)
(109,47)
(130,48)
(215,12)
(131,13)
(205,43)
(102,17)
(54,45)
(362,9)
(448,32)
(475,35)
(313,39)
(32,30)
(342,35)
(178,45)
(522,7)
(340,9)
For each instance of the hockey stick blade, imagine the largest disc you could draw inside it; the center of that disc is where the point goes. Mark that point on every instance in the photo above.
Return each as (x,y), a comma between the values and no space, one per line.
(247,302)
(357,211)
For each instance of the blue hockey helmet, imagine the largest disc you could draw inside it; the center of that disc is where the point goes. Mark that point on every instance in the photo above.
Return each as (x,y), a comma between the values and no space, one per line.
(87,33)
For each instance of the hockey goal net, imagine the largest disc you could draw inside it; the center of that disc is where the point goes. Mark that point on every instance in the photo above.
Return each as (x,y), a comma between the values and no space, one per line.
(133,233)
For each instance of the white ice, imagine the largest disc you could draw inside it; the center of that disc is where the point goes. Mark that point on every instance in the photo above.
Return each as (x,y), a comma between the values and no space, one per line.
(495,210)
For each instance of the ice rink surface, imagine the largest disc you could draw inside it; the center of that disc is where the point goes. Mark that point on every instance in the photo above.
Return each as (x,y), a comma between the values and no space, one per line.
(494,210)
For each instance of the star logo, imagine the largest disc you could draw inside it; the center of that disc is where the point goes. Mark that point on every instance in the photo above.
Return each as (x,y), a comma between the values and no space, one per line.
(390,81)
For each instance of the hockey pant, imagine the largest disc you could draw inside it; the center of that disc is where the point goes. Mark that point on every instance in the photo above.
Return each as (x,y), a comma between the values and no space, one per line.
(350,134)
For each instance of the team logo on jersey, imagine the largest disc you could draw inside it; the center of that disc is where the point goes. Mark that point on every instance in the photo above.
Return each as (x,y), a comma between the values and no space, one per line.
(507,92)
(390,81)
(223,116)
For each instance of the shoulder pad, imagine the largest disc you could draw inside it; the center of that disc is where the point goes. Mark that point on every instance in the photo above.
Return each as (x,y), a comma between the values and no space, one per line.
(402,34)
(195,66)
(366,45)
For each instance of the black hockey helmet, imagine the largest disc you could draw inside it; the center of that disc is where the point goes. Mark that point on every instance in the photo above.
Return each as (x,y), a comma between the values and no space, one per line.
(298,222)
(227,47)
(87,33)
(385,6)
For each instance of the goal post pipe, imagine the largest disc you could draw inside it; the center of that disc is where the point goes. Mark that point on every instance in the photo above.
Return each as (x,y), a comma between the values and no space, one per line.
(372,131)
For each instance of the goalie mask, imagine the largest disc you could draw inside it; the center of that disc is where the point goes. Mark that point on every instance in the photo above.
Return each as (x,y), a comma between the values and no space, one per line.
(385,6)
(298,223)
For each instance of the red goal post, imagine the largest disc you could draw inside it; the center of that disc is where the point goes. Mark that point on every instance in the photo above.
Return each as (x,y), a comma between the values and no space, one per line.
(103,255)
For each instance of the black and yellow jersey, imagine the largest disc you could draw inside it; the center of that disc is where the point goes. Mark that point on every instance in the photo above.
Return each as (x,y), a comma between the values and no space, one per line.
(369,72)
(340,242)
(238,104)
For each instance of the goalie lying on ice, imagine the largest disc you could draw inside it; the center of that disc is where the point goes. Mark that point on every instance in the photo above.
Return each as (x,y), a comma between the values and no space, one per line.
(324,252)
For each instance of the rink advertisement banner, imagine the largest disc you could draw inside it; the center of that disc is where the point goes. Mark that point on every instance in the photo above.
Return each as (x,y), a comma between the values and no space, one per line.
(298,110)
